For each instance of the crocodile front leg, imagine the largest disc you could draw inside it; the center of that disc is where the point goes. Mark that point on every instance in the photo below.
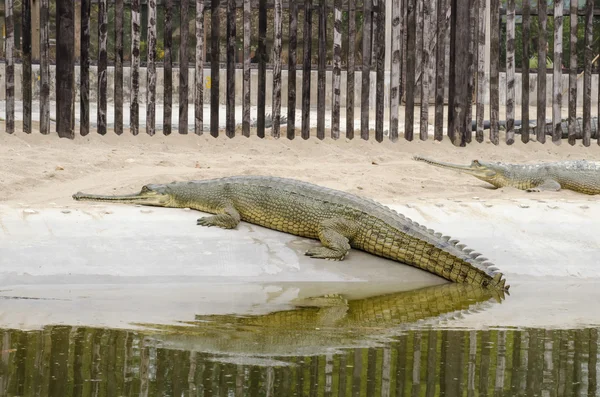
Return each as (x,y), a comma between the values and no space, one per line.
(335,236)
(229,219)
(549,185)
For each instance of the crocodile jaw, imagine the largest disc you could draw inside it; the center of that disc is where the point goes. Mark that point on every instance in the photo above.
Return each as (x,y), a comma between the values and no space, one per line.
(148,197)
(476,168)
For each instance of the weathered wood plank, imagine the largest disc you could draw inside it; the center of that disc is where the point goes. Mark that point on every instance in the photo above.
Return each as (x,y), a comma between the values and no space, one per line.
(151,70)
(102,65)
(306,69)
(136,30)
(65,57)
(587,76)
(168,69)
(10,66)
(119,11)
(480,101)
(199,75)
(262,69)
(45,66)
(351,61)
(337,69)
(231,33)
(366,68)
(426,63)
(494,71)
(459,63)
(27,83)
(557,72)
(277,36)
(510,72)
(573,73)
(321,71)
(525,73)
(411,36)
(247,63)
(443,9)
(380,68)
(183,67)
(541,72)
(395,68)
(471,69)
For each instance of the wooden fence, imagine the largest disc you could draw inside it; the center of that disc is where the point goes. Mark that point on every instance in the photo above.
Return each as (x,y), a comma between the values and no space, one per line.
(437,50)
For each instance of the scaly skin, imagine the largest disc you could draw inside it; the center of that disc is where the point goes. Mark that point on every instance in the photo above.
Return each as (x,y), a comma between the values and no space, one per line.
(339,220)
(327,322)
(579,175)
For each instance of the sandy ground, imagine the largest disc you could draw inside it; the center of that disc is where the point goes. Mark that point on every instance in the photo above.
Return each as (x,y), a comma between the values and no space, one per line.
(38,169)
(42,172)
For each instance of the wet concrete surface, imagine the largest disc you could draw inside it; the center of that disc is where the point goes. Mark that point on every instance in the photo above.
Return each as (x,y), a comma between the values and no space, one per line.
(112,266)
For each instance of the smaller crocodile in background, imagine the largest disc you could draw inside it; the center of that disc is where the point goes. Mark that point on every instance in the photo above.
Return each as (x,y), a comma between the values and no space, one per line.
(579,175)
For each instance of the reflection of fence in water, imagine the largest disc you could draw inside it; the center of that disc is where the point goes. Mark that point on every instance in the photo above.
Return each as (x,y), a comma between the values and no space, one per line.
(61,361)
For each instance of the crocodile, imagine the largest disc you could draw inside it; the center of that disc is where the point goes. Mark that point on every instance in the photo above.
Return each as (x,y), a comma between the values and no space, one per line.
(326,322)
(578,175)
(340,220)
(564,125)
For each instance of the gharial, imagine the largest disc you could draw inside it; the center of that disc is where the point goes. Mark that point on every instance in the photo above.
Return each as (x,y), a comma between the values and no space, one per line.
(340,220)
(578,175)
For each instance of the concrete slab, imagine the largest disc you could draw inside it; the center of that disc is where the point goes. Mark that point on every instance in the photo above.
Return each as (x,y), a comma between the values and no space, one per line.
(114,265)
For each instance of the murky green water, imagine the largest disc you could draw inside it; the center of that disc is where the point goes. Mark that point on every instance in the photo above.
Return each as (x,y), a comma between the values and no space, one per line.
(378,346)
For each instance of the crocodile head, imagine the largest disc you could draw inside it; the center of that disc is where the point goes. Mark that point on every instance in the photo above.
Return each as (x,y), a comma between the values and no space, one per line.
(154,195)
(485,171)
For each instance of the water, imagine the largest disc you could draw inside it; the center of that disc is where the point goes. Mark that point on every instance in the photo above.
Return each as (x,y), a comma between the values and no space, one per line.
(398,344)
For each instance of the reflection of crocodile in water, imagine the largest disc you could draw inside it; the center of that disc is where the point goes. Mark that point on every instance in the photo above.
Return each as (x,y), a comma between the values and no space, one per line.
(579,175)
(340,220)
(328,321)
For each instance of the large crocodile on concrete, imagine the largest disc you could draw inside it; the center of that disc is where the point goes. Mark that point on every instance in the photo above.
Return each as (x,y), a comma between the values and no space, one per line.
(338,219)
(578,175)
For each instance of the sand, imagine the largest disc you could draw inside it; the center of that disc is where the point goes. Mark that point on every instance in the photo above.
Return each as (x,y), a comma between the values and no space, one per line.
(37,169)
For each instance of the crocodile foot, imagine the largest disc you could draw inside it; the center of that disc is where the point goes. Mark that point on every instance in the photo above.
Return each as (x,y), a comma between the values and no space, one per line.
(325,253)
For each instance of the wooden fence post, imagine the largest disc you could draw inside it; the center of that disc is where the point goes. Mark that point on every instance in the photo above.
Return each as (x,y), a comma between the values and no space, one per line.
(119,10)
(10,67)
(231,34)
(351,69)
(306,69)
(45,67)
(494,71)
(102,65)
(541,73)
(367,53)
(151,70)
(525,74)
(460,37)
(183,68)
(65,51)
(292,93)
(168,69)
(262,68)
(84,69)
(277,36)
(27,88)
(199,86)
(136,30)
(214,68)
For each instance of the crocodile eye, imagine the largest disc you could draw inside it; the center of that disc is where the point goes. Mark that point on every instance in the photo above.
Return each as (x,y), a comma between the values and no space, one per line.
(145,189)
(475,163)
